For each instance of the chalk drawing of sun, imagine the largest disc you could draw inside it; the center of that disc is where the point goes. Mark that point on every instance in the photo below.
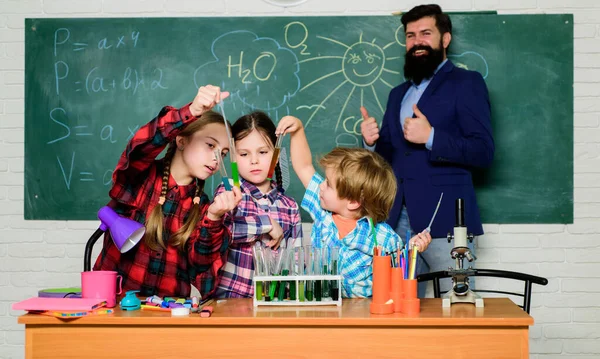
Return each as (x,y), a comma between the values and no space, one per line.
(362,68)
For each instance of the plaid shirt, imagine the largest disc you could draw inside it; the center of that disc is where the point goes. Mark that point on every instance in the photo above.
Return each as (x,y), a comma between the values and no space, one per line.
(355,249)
(137,182)
(250,222)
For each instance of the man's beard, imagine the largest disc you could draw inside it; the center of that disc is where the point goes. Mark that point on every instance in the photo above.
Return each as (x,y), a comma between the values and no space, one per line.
(417,68)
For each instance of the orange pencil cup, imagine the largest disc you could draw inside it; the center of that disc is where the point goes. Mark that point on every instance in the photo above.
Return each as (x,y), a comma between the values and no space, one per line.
(382,273)
(397,290)
(411,305)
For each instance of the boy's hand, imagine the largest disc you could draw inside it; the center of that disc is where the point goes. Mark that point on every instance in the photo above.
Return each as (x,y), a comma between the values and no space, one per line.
(288,124)
(422,240)
(276,233)
(206,98)
(223,203)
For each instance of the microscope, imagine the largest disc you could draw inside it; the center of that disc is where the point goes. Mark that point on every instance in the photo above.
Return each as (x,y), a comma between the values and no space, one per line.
(460,292)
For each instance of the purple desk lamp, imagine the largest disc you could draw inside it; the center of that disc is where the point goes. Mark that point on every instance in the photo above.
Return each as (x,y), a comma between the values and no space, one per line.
(126,233)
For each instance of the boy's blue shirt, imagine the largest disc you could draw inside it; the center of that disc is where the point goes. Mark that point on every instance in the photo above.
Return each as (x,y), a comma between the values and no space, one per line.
(356,248)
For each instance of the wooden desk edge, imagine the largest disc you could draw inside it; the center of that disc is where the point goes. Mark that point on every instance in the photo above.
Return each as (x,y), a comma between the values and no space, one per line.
(248,316)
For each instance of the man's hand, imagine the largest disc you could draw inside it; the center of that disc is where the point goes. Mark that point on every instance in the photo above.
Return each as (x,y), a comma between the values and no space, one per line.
(417,129)
(368,127)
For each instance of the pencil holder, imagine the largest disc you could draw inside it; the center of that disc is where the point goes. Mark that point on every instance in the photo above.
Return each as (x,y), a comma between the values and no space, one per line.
(411,305)
(397,290)
(382,273)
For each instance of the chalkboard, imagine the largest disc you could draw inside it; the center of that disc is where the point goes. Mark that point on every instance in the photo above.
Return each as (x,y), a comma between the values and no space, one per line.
(90,83)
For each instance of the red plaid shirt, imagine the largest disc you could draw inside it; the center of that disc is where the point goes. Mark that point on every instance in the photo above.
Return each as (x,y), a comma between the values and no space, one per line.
(137,186)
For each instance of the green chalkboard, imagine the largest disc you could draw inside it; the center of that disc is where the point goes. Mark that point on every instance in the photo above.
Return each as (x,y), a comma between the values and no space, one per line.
(90,83)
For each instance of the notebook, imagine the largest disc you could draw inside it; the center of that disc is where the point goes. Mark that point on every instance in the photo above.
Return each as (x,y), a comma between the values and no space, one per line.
(61,304)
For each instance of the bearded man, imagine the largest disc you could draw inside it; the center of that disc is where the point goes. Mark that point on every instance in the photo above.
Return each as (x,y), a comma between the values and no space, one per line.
(435,130)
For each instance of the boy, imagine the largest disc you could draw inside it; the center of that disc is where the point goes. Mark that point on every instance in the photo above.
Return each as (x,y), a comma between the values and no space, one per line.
(358,185)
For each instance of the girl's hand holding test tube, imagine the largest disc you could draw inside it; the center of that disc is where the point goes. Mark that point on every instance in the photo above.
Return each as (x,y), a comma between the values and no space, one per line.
(223,203)
(275,158)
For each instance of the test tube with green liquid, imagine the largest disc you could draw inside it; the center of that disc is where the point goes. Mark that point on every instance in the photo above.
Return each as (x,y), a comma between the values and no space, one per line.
(293,252)
(235,175)
(258,269)
(285,271)
(271,264)
(318,268)
(334,287)
(301,271)
(275,285)
(308,255)
(325,262)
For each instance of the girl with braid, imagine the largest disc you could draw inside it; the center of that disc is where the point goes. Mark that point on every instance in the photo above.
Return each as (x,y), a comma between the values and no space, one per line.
(264,213)
(185,241)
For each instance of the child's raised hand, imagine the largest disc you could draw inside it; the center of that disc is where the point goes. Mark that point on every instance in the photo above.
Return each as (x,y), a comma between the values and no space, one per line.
(276,234)
(422,240)
(223,203)
(206,98)
(288,124)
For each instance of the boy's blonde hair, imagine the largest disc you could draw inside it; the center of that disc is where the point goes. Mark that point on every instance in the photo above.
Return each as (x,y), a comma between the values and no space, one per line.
(365,177)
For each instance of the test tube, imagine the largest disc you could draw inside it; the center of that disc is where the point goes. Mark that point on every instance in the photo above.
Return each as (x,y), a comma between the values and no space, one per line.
(275,270)
(334,287)
(233,160)
(293,252)
(275,157)
(325,263)
(269,267)
(235,175)
(301,271)
(222,169)
(308,254)
(285,271)
(258,269)
(317,265)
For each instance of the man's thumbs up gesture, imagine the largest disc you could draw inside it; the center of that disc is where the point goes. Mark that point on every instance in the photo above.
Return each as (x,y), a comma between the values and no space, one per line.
(368,127)
(416,129)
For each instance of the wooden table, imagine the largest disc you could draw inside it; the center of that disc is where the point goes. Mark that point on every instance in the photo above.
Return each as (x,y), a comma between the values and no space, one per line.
(238,330)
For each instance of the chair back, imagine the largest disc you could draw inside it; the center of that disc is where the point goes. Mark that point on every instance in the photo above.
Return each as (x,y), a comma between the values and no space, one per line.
(527,279)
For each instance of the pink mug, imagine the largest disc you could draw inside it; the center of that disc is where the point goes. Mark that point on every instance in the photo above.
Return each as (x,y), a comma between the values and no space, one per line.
(101,285)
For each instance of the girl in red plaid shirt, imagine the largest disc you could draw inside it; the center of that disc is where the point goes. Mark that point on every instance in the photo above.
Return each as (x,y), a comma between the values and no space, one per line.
(185,241)
(264,214)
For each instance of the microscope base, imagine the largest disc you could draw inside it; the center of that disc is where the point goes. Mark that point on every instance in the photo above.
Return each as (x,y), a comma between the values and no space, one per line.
(470,297)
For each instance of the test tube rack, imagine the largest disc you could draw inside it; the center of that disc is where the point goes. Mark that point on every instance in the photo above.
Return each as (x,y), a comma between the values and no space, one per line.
(298,279)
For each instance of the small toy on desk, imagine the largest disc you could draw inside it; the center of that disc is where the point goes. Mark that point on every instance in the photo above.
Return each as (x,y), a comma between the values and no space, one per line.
(180,312)
(155,308)
(154,300)
(206,311)
(130,301)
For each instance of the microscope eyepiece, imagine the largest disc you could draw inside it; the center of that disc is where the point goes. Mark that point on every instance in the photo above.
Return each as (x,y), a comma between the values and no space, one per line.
(460,212)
